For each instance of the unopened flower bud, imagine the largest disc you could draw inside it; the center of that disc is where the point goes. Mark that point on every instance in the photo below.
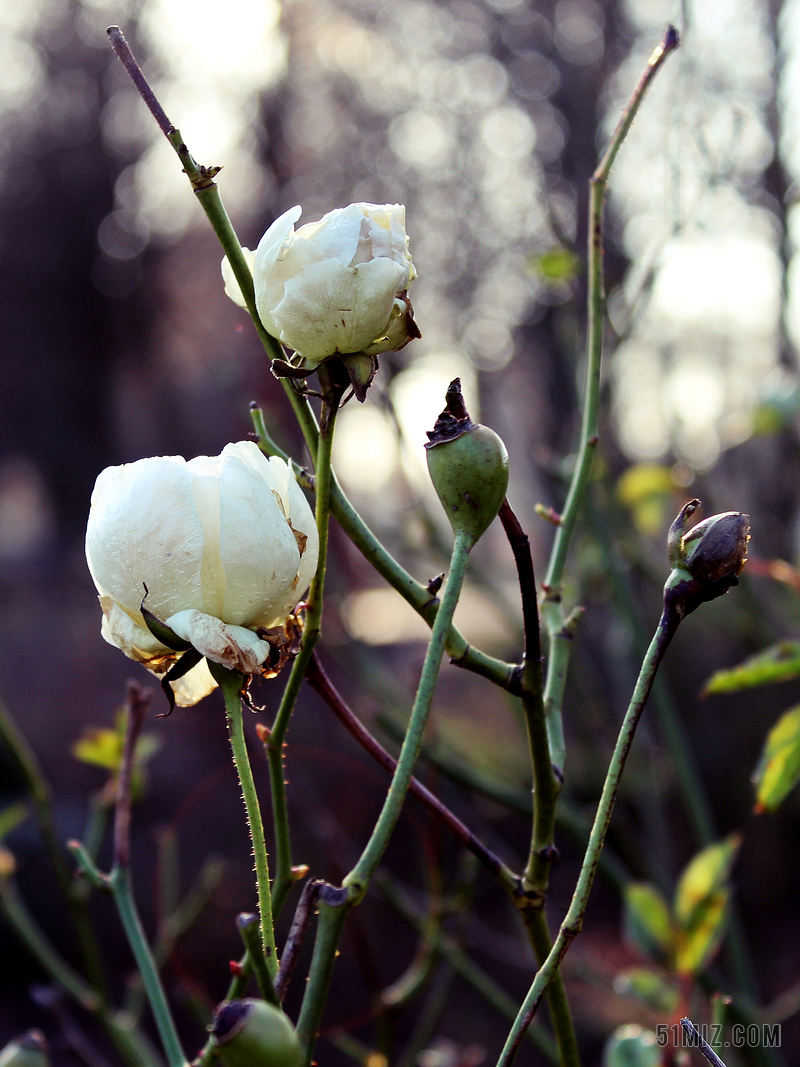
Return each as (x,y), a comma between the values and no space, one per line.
(253,1033)
(708,559)
(468,464)
(717,546)
(28,1050)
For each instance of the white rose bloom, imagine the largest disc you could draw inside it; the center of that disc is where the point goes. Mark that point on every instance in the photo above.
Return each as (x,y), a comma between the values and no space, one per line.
(335,286)
(232,288)
(225,545)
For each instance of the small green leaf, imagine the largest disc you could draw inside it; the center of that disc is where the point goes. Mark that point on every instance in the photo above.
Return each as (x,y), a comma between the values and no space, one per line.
(778,770)
(648,923)
(632,1046)
(649,988)
(101,747)
(557,265)
(11,817)
(701,905)
(778,663)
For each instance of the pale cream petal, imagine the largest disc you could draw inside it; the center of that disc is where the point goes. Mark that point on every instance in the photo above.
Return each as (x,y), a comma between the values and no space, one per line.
(136,641)
(258,549)
(329,308)
(143,528)
(234,647)
(193,686)
(232,287)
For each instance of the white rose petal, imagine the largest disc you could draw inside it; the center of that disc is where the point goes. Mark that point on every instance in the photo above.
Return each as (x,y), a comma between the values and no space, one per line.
(332,285)
(234,647)
(232,288)
(225,545)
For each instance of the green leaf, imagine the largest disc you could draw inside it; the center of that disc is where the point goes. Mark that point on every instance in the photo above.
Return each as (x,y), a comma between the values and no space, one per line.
(778,770)
(648,987)
(778,663)
(632,1046)
(701,905)
(648,922)
(11,817)
(558,265)
(101,747)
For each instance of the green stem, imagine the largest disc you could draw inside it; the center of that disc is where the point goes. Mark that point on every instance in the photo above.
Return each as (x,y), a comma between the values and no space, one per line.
(589,423)
(38,788)
(573,921)
(560,1014)
(332,917)
(358,879)
(119,880)
(231,685)
(248,928)
(461,653)
(323,478)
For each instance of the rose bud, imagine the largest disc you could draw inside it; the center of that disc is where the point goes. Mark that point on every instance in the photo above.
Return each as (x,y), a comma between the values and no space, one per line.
(708,559)
(223,547)
(468,464)
(337,286)
(253,1033)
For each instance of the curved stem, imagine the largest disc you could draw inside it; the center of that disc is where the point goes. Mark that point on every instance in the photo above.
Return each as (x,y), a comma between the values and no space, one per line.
(323,476)
(333,914)
(123,896)
(231,685)
(559,656)
(573,921)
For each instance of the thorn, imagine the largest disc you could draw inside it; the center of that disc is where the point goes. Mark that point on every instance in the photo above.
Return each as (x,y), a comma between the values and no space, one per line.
(236,968)
(548,514)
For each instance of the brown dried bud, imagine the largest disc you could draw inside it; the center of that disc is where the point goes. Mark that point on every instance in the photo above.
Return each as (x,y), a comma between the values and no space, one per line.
(706,561)
(717,546)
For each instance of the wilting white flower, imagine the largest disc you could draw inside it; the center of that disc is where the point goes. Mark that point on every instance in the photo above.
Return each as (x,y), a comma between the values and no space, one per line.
(226,545)
(334,286)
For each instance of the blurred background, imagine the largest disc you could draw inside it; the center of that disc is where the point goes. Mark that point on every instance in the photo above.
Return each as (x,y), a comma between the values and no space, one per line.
(485,118)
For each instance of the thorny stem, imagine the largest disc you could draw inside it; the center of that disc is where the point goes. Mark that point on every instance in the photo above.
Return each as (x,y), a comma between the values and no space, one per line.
(355,884)
(551,607)
(231,684)
(311,632)
(573,921)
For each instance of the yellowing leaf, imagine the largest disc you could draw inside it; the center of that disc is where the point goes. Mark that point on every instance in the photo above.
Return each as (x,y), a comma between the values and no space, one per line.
(646,490)
(778,663)
(101,747)
(648,922)
(557,265)
(11,817)
(701,905)
(644,480)
(698,941)
(778,769)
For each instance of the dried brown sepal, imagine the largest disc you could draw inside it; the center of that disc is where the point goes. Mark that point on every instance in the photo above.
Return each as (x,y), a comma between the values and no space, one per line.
(454,420)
